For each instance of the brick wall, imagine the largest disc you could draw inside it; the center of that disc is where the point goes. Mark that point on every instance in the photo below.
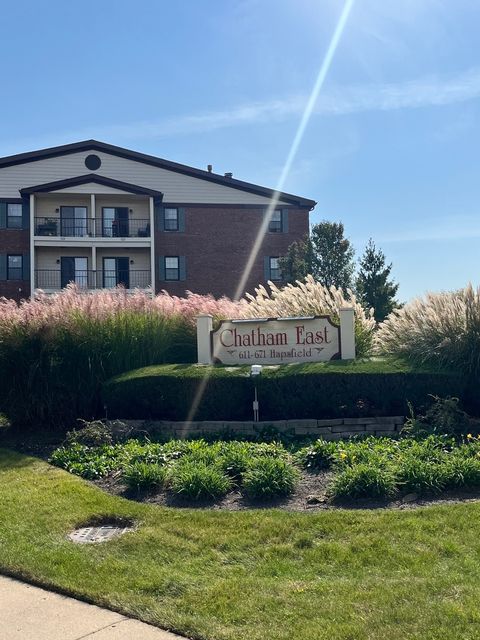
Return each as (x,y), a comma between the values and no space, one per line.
(216,244)
(15,289)
(15,241)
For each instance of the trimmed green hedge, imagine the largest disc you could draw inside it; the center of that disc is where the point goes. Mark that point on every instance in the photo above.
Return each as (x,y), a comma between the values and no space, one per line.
(319,390)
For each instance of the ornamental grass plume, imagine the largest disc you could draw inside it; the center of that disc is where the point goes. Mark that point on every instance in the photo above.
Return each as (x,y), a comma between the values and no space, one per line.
(56,350)
(310,298)
(440,329)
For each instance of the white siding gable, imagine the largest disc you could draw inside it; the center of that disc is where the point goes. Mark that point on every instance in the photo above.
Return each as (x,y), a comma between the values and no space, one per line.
(90,187)
(176,187)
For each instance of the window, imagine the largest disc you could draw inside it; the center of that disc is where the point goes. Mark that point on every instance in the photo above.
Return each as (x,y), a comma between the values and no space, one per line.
(14,216)
(73,221)
(74,270)
(116,271)
(115,222)
(171,220)
(15,268)
(172,268)
(275,269)
(276,223)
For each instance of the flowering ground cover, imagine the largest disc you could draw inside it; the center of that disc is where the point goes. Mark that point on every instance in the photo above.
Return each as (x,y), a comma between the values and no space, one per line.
(218,575)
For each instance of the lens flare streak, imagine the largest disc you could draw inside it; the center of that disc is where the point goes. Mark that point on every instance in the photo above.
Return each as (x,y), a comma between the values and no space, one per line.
(307,114)
(305,119)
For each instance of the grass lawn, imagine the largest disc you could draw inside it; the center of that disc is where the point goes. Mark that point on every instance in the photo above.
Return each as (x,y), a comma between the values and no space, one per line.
(360,365)
(249,575)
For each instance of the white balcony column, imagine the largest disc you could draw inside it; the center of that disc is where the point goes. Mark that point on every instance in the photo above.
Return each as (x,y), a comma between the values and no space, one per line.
(92,214)
(94,266)
(32,246)
(152,245)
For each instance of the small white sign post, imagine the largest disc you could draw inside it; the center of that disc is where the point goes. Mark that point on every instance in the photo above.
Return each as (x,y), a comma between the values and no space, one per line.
(276,340)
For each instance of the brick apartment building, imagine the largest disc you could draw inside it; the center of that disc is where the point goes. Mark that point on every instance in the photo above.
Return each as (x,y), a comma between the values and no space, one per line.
(100,215)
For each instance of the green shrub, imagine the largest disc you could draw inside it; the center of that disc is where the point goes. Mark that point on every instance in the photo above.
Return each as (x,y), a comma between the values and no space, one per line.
(267,478)
(463,472)
(90,463)
(422,476)
(364,481)
(142,475)
(201,451)
(92,434)
(234,459)
(443,416)
(198,481)
(320,455)
(318,390)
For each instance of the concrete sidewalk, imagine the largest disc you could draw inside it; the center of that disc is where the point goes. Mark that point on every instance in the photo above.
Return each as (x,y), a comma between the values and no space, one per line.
(30,613)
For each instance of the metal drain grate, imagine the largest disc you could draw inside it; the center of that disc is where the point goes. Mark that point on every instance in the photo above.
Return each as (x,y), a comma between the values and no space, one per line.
(90,535)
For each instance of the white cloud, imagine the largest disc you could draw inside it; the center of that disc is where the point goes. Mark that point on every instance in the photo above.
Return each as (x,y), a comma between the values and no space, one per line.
(423,92)
(431,91)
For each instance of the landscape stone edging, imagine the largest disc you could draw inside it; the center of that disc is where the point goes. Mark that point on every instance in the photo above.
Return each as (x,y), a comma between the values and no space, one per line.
(333,429)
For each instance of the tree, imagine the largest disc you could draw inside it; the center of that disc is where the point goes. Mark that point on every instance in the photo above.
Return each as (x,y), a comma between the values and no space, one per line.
(373,287)
(326,254)
(332,255)
(297,263)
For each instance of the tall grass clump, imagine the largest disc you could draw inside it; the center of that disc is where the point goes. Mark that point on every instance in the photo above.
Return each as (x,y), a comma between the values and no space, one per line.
(267,478)
(198,481)
(440,329)
(56,351)
(311,298)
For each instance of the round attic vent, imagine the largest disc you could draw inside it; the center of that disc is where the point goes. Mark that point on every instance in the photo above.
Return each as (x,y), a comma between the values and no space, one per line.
(93,162)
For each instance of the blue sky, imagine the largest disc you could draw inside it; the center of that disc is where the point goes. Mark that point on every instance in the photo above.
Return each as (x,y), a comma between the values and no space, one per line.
(393,145)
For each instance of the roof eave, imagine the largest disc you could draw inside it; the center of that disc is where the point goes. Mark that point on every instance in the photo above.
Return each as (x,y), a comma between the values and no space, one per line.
(91,177)
(96,145)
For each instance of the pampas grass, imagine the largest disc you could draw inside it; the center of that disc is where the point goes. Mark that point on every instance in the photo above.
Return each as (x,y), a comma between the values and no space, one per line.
(310,298)
(442,329)
(56,351)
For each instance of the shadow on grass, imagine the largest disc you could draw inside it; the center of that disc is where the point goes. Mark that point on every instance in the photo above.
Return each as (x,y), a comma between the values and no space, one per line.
(11,459)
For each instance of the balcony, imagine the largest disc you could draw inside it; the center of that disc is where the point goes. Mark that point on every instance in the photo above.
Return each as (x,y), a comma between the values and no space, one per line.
(91,228)
(56,279)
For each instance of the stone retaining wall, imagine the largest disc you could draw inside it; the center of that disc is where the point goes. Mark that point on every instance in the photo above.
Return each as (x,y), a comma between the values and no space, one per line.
(334,429)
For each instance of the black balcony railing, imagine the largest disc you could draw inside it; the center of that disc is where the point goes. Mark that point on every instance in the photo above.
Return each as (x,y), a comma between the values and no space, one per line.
(56,279)
(122,228)
(94,228)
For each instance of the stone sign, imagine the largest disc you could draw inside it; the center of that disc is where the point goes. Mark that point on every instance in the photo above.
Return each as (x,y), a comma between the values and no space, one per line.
(276,340)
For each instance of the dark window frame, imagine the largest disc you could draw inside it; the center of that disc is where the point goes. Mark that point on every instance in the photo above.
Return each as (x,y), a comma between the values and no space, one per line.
(121,275)
(16,217)
(18,269)
(276,226)
(120,227)
(81,274)
(69,227)
(167,269)
(275,270)
(170,220)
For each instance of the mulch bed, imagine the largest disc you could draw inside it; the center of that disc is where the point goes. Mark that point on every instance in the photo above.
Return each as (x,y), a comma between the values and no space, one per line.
(310,495)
